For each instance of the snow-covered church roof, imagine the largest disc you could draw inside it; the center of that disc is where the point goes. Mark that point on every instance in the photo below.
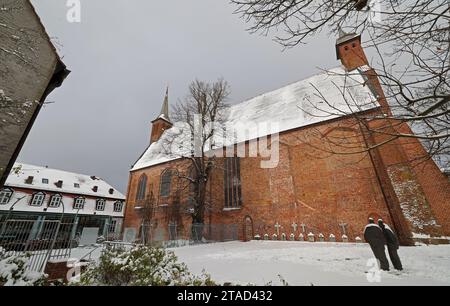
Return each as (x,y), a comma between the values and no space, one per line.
(296,105)
(47,179)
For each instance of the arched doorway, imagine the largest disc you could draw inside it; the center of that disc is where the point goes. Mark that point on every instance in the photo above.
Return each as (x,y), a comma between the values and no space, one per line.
(248,228)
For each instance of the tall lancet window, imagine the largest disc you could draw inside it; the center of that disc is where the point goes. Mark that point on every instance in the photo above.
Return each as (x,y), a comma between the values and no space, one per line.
(142,186)
(166,182)
(232,182)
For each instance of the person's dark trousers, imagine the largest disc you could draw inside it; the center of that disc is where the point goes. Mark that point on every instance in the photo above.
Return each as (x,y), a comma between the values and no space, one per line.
(381,256)
(395,259)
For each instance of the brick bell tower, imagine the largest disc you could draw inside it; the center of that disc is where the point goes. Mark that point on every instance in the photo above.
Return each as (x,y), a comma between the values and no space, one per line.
(349,50)
(162,122)
(390,161)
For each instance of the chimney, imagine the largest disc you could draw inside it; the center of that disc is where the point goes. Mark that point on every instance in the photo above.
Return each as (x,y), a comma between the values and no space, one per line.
(29,180)
(349,50)
(162,122)
(59,184)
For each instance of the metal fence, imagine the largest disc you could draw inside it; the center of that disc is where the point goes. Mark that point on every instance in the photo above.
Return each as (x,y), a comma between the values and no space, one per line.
(42,240)
(191,234)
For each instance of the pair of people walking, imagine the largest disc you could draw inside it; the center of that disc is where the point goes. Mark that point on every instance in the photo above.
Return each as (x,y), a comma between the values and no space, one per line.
(379,235)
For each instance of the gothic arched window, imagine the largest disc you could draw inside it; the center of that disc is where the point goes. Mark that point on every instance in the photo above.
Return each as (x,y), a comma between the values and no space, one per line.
(232,182)
(142,186)
(166,182)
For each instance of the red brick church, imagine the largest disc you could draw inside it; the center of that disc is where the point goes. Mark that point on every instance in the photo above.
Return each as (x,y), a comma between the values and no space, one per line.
(310,191)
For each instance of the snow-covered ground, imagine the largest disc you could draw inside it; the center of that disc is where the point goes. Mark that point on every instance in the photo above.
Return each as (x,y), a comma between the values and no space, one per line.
(303,263)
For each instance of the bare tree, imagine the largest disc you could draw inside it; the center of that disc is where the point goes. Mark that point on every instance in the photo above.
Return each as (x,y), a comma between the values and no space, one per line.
(410,41)
(198,119)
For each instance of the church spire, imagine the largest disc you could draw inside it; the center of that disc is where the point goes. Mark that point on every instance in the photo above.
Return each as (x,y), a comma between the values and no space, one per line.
(165,107)
(162,122)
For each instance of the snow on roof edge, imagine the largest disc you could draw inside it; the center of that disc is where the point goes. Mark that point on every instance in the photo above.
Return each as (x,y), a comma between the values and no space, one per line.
(85,182)
(282,97)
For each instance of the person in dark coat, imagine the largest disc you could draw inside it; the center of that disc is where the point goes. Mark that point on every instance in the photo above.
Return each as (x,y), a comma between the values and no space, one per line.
(392,244)
(373,234)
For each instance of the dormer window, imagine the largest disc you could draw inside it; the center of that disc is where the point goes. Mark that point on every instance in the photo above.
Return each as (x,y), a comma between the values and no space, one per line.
(44,181)
(55,201)
(100,205)
(5,196)
(37,199)
(78,203)
(76,185)
(118,206)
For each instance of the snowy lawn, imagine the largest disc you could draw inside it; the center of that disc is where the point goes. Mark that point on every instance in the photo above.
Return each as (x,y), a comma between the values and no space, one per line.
(303,263)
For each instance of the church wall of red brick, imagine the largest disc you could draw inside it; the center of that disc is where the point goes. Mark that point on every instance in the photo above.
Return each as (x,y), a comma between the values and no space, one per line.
(314,186)
(308,186)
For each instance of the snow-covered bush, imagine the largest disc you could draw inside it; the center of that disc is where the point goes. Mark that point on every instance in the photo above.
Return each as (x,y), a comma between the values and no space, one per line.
(14,271)
(140,266)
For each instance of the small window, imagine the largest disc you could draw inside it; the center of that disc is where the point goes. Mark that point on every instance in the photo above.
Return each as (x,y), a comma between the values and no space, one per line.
(44,181)
(55,201)
(346,48)
(5,196)
(118,206)
(78,203)
(37,199)
(100,205)
(76,185)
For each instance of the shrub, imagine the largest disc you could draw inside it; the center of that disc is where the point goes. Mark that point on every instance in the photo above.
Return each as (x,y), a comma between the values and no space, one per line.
(140,266)
(14,271)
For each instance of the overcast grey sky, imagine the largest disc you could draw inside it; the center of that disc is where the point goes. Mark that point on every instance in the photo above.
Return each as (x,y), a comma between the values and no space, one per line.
(124,53)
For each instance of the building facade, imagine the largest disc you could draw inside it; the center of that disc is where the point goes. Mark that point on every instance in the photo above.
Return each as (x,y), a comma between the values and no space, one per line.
(40,193)
(310,191)
(30,69)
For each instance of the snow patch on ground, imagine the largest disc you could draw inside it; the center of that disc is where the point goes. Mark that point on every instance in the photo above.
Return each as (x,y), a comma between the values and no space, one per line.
(303,263)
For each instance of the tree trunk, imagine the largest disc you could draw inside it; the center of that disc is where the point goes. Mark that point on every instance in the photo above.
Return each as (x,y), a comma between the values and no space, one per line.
(198,217)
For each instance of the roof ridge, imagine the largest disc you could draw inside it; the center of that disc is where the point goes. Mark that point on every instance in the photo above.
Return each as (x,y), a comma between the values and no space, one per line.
(284,86)
(55,169)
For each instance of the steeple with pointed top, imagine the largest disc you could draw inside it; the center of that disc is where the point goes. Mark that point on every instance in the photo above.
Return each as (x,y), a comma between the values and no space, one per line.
(162,122)
(164,114)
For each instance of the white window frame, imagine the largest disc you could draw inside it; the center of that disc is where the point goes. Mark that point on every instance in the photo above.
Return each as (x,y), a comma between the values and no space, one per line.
(100,205)
(37,199)
(78,203)
(5,196)
(112,226)
(118,204)
(55,198)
